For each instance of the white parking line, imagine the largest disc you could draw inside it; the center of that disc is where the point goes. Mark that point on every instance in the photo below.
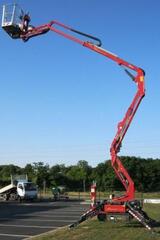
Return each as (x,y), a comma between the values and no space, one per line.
(43,216)
(14,235)
(59,216)
(26,226)
(47,220)
(52,211)
(64,211)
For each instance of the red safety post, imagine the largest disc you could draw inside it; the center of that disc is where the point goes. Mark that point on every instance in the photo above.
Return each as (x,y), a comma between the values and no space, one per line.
(93,195)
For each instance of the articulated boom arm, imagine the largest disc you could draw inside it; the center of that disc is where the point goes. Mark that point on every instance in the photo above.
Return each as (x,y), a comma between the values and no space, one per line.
(29,32)
(122,129)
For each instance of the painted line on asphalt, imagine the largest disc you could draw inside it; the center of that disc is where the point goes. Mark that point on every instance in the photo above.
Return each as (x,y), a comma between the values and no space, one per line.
(26,226)
(47,220)
(63,211)
(41,216)
(15,235)
(50,214)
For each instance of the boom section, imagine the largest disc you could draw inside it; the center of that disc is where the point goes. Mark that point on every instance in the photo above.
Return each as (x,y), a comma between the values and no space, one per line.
(123,125)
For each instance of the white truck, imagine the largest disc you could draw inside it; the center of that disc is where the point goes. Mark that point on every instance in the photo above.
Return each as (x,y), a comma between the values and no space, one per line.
(20,189)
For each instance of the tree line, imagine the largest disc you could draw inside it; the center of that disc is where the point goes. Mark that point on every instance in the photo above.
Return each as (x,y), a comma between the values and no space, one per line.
(144,172)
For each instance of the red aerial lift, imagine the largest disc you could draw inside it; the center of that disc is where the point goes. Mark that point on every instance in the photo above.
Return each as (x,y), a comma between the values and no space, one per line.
(17,24)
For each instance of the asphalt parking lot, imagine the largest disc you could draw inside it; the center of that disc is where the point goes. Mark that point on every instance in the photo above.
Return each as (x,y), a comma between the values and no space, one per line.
(24,220)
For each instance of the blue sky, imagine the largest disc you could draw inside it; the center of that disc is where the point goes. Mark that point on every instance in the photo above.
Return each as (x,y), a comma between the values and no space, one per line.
(60,102)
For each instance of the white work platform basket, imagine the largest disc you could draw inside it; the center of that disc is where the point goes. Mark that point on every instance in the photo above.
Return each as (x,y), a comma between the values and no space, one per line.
(12,16)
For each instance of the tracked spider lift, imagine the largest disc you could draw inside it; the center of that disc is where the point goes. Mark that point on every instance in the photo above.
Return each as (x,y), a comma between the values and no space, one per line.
(17,24)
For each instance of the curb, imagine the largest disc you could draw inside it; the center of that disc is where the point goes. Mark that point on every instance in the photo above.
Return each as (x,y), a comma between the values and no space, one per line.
(45,234)
(155,201)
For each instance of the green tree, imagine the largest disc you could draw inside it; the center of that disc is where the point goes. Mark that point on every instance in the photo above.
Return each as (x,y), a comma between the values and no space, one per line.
(6,171)
(30,171)
(57,175)
(41,172)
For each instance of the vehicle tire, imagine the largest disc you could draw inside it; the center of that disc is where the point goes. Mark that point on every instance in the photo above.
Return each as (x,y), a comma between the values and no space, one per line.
(13,197)
(5,197)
